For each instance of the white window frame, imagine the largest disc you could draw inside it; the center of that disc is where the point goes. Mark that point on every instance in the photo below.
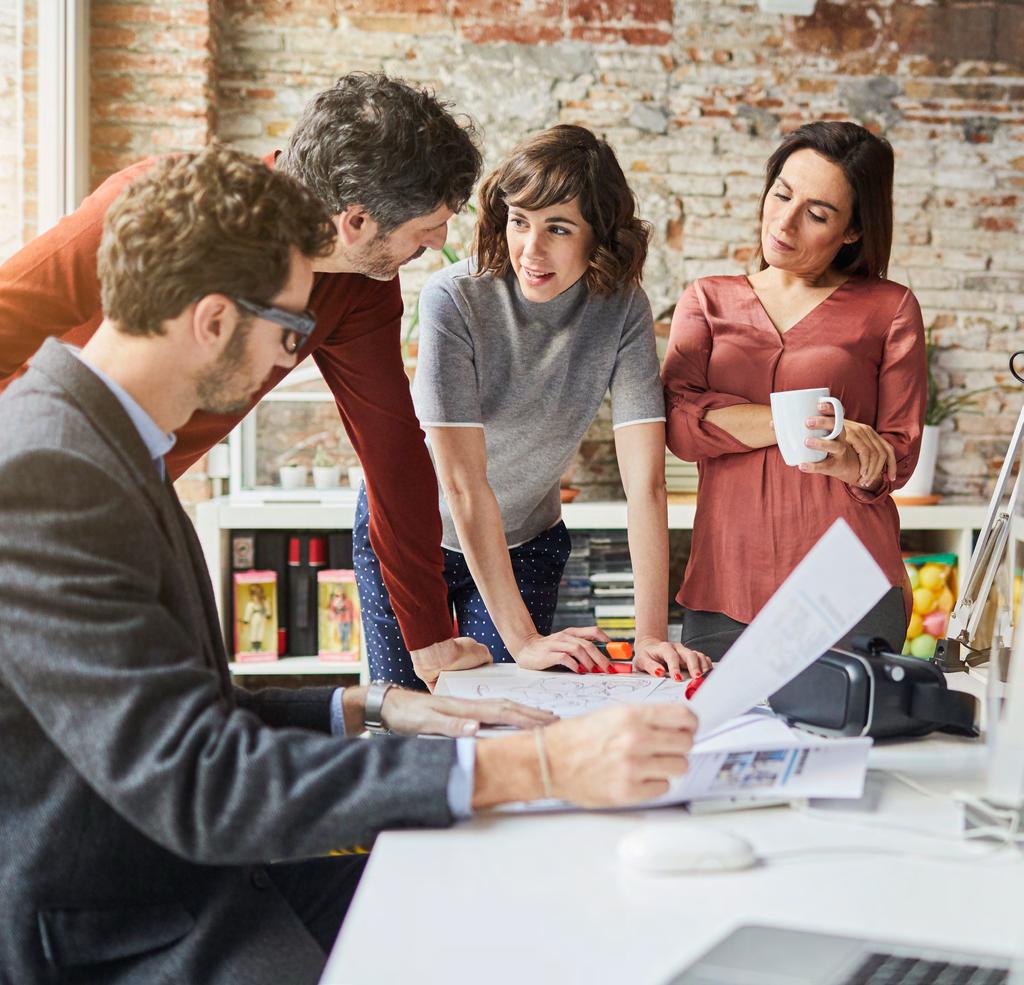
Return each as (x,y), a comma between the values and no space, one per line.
(63,98)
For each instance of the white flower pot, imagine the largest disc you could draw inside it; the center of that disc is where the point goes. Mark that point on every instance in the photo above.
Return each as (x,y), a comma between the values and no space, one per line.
(355,476)
(293,476)
(326,477)
(923,477)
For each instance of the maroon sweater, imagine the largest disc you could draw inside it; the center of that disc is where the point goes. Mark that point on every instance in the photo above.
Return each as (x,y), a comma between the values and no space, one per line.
(51,288)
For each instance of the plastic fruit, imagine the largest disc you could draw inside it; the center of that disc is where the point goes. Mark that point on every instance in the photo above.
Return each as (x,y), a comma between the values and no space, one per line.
(914,576)
(935,623)
(905,652)
(946,601)
(924,601)
(933,577)
(923,646)
(916,626)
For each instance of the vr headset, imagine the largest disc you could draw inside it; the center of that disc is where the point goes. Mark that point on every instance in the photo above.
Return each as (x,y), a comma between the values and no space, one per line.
(866,690)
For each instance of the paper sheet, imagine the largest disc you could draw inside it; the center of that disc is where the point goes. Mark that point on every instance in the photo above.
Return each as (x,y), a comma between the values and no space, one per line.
(829,591)
(563,693)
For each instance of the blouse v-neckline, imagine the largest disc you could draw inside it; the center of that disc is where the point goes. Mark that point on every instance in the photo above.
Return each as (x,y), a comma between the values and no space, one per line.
(781,335)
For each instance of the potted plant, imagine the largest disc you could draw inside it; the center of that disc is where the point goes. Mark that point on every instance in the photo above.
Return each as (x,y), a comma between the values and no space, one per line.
(293,475)
(326,471)
(940,406)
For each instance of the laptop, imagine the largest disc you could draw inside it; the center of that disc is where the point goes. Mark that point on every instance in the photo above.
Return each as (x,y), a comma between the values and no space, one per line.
(755,954)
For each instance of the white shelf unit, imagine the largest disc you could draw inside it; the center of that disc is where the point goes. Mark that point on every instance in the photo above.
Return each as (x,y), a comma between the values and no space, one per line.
(953,528)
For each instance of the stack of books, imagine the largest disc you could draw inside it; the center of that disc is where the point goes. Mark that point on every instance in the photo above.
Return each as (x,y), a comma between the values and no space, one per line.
(575,603)
(611,579)
(680,476)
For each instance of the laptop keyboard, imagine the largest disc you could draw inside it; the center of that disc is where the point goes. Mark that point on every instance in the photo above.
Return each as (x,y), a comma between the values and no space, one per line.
(895,969)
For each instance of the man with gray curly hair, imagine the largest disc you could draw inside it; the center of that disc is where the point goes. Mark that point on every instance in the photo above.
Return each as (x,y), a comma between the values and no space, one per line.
(392,165)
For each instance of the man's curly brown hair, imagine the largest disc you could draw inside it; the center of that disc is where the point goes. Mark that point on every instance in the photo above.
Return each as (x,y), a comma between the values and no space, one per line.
(556,166)
(212,222)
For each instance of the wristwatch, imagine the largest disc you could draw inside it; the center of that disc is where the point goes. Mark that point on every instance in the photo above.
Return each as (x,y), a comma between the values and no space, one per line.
(373,720)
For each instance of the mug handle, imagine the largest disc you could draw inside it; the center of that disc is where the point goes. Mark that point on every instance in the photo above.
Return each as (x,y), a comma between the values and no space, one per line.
(838,408)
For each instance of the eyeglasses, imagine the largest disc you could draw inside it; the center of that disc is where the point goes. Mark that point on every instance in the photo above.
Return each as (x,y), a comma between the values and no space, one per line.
(297,325)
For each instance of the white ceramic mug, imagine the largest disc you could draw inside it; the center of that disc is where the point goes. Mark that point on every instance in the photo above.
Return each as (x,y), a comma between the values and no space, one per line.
(790,410)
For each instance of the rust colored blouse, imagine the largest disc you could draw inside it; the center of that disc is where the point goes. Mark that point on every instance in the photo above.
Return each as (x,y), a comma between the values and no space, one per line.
(756,516)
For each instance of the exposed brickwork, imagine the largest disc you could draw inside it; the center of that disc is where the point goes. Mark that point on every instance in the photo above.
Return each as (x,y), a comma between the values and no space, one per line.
(152,85)
(10,129)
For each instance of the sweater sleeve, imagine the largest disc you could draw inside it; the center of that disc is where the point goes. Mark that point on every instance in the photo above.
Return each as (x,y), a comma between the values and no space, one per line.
(902,395)
(50,286)
(688,397)
(363,366)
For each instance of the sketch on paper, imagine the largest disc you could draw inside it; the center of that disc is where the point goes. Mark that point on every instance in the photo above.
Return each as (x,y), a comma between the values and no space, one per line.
(563,694)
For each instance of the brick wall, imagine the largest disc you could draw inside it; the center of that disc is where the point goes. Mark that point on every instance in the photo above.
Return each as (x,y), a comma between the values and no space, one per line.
(10,128)
(18,87)
(692,94)
(152,80)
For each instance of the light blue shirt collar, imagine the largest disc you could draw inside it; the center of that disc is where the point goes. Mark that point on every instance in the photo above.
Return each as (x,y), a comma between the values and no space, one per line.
(156,441)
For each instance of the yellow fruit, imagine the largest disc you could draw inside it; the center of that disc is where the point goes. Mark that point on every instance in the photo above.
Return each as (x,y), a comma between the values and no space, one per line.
(933,577)
(923,601)
(916,627)
(946,601)
(914,575)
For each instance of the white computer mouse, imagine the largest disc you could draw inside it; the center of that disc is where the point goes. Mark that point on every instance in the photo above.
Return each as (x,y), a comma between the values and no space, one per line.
(685,848)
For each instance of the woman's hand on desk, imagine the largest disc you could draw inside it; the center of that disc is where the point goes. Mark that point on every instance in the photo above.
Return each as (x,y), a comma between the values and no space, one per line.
(859,456)
(414,713)
(620,755)
(659,657)
(458,653)
(571,648)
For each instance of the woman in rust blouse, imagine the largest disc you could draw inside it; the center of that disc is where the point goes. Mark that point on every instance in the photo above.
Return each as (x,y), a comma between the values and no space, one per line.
(819,313)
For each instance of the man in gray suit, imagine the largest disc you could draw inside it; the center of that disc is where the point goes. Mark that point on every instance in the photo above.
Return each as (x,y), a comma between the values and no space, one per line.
(142,796)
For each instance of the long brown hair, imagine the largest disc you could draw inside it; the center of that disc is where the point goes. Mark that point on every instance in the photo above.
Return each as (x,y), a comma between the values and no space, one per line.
(556,166)
(867,163)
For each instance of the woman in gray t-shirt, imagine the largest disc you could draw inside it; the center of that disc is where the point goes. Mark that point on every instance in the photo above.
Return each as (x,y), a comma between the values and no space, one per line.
(517,350)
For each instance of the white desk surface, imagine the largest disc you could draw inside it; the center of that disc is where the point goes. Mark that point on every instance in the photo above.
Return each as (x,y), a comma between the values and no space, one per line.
(542,899)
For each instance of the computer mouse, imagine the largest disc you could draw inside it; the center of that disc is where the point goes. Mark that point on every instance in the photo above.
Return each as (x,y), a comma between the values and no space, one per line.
(686,849)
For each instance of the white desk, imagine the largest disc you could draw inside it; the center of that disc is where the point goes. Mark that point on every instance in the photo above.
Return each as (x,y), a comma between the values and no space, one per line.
(542,900)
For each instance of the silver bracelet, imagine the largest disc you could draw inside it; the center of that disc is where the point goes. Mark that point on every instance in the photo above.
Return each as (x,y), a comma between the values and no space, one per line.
(545,773)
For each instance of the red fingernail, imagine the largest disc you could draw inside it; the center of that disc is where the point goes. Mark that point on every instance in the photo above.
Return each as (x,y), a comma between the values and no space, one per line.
(659,672)
(580,669)
(678,677)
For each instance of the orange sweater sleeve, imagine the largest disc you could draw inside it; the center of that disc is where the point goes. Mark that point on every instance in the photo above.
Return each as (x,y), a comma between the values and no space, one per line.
(688,398)
(363,367)
(50,287)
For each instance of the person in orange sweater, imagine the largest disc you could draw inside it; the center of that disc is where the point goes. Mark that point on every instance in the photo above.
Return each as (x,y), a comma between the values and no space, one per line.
(392,165)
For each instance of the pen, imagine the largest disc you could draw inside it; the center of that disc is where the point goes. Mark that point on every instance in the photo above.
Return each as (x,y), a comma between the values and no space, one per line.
(695,682)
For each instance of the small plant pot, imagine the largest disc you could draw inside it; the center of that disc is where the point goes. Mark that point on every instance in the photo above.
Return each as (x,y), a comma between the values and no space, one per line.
(326,477)
(293,476)
(355,476)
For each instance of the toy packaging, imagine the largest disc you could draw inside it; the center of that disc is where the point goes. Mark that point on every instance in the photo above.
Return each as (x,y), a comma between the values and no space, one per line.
(933,581)
(338,607)
(255,616)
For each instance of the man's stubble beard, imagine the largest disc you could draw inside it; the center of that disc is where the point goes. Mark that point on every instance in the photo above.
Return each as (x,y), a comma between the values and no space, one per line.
(214,385)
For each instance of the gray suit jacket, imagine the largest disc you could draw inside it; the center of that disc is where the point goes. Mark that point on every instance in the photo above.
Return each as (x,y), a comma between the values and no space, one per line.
(138,788)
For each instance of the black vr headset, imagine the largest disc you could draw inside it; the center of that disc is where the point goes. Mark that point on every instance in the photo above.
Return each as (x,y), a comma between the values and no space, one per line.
(865,690)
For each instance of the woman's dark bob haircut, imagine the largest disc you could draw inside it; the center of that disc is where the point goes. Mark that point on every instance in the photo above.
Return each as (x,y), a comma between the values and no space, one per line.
(556,166)
(867,162)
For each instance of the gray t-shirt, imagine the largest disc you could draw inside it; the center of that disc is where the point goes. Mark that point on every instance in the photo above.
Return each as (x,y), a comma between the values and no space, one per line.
(533,376)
